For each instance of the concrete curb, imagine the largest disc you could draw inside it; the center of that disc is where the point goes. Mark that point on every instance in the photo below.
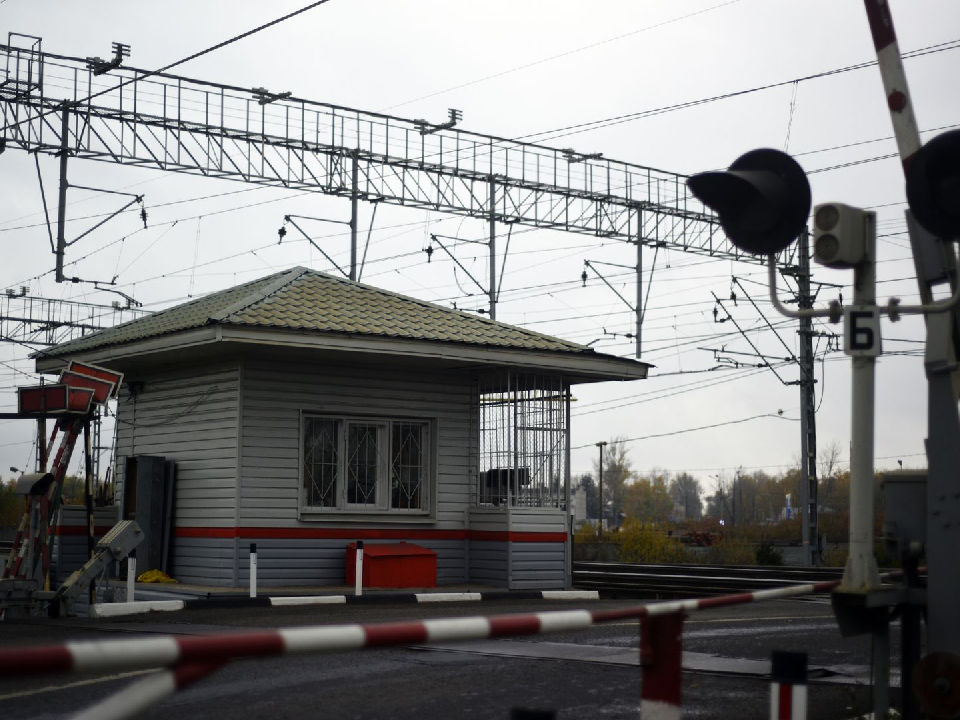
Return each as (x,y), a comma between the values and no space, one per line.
(111,610)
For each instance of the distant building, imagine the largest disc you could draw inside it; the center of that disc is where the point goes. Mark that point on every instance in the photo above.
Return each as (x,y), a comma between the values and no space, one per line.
(304,412)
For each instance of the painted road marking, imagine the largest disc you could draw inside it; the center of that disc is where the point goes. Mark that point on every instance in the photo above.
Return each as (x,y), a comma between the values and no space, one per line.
(78,683)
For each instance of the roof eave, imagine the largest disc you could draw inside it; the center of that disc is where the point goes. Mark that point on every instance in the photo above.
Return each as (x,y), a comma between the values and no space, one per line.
(579,367)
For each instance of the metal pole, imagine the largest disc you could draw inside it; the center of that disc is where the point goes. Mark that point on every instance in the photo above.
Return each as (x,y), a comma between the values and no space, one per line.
(131,575)
(354,199)
(62,206)
(358,582)
(639,307)
(493,251)
(253,570)
(808,425)
(88,501)
(861,571)
(601,445)
(566,484)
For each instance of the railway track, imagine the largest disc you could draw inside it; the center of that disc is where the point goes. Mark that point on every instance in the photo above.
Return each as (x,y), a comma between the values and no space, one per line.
(676,581)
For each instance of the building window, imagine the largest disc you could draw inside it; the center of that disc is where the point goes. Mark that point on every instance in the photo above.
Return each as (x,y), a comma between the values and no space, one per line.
(353,464)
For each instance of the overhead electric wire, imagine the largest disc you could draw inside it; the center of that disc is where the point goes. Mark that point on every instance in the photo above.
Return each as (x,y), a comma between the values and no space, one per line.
(577,128)
(561,55)
(694,429)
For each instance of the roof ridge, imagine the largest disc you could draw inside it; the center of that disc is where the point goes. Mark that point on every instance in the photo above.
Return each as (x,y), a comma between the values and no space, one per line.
(452,311)
(284,279)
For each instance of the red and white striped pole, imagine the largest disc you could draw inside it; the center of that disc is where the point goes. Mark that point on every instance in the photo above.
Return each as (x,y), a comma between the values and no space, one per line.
(788,686)
(894,79)
(660,662)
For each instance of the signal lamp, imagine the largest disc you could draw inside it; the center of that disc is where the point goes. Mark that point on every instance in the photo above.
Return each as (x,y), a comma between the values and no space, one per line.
(839,235)
(933,186)
(763,200)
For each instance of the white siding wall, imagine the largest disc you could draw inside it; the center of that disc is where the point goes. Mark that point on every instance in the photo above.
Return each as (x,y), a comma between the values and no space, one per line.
(189,415)
(274,395)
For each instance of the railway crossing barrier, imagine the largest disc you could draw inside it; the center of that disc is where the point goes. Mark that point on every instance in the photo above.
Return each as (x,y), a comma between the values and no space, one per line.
(188,659)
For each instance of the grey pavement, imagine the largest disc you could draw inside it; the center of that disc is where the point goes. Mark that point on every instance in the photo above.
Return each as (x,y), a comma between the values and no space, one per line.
(591,672)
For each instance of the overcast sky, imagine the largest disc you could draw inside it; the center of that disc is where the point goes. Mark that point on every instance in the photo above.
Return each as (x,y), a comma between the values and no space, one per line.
(515,69)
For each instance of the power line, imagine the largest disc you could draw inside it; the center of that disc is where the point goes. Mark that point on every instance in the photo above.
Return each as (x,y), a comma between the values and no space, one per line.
(629,117)
(567,53)
(694,429)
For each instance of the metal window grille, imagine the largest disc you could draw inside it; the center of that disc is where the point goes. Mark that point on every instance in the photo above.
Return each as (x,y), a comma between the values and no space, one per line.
(321,462)
(523,440)
(364,463)
(408,465)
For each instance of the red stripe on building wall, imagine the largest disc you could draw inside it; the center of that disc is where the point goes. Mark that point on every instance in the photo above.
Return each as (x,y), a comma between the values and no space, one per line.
(366,534)
(74,530)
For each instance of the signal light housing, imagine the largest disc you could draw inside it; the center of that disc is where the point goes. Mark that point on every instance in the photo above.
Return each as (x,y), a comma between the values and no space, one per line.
(933,186)
(763,200)
(839,235)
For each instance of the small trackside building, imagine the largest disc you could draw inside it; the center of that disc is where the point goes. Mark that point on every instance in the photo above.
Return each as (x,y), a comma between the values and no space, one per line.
(305,412)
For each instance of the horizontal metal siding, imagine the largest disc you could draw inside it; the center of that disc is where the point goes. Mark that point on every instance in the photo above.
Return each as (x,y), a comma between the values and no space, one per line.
(539,566)
(488,563)
(203,561)
(274,395)
(323,562)
(189,414)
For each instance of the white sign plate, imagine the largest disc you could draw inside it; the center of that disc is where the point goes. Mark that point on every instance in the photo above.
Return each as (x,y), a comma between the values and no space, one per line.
(861,330)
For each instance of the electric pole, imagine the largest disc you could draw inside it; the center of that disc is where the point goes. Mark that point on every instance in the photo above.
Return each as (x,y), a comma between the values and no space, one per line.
(808,421)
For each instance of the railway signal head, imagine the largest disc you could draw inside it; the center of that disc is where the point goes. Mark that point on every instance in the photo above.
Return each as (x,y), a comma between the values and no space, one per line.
(933,186)
(763,200)
(839,235)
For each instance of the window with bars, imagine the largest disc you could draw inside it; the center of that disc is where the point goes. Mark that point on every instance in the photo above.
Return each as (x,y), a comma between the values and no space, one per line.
(362,464)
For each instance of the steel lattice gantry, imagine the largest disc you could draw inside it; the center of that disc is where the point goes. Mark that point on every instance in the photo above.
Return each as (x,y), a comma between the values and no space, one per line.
(178,124)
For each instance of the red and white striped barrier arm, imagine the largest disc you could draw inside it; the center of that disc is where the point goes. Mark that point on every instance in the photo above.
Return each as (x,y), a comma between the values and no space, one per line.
(169,651)
(894,80)
(142,694)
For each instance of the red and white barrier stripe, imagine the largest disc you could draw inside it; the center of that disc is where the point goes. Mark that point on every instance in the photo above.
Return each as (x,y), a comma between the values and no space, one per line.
(894,79)
(167,651)
(788,686)
(142,694)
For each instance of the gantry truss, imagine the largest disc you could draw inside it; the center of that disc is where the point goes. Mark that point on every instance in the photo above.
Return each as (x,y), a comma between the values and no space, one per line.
(42,321)
(175,123)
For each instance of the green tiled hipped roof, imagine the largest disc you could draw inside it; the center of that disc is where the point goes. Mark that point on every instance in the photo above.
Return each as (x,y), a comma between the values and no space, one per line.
(306,300)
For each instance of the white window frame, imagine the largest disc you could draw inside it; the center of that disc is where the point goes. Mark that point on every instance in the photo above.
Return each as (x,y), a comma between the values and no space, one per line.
(383,493)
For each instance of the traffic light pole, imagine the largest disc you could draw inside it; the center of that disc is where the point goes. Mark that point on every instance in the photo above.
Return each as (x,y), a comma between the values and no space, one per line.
(861,572)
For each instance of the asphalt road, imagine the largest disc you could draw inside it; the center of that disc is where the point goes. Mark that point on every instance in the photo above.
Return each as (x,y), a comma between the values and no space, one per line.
(591,673)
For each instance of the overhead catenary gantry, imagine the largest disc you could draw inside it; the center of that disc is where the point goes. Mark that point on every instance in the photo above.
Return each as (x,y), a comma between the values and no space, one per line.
(178,124)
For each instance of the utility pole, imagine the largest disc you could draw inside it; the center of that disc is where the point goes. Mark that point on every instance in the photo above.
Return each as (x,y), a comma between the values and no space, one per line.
(354,173)
(62,206)
(492,287)
(601,445)
(808,420)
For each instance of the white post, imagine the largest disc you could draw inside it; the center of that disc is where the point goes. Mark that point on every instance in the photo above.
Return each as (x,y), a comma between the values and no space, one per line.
(788,686)
(358,585)
(131,574)
(861,571)
(253,570)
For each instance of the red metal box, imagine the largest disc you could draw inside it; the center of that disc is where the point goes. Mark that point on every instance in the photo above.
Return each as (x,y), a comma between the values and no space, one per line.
(393,565)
